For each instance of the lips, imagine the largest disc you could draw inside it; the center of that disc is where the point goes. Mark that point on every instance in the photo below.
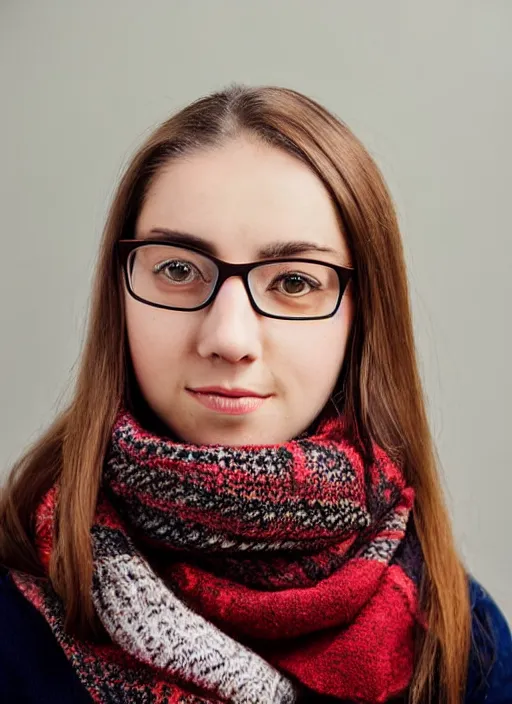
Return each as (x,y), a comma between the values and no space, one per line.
(228,401)
(230,393)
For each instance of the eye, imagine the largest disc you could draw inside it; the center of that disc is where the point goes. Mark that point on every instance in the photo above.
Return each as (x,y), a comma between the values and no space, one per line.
(294,284)
(178,271)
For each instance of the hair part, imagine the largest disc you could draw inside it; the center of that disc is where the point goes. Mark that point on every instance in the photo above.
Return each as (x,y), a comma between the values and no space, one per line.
(379,388)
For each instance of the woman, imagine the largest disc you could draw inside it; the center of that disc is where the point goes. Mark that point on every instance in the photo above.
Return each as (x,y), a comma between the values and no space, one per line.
(241,502)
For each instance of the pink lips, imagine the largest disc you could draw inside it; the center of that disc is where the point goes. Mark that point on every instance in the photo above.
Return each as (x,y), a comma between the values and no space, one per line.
(229,401)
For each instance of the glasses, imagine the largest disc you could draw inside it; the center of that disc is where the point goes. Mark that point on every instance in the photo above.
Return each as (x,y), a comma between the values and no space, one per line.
(182,278)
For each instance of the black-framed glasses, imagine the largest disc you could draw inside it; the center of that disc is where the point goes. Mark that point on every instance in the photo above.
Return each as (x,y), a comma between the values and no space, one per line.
(179,277)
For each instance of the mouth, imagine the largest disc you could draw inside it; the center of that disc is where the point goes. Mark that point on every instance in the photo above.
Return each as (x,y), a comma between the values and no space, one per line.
(228,401)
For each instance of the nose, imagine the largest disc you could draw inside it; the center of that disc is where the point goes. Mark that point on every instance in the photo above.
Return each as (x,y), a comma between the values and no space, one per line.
(231,327)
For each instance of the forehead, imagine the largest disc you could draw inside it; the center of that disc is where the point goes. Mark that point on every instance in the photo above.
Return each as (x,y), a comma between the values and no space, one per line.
(240,197)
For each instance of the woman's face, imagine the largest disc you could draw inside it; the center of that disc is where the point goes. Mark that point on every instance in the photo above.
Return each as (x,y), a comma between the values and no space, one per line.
(239,198)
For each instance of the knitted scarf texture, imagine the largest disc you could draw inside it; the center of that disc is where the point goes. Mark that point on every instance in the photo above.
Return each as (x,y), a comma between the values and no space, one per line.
(249,575)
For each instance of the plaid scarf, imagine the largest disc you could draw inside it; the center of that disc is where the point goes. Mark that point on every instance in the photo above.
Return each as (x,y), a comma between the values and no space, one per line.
(244,574)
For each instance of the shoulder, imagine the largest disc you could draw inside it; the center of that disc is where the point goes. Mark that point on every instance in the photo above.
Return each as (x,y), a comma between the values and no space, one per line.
(33,667)
(13,615)
(490,667)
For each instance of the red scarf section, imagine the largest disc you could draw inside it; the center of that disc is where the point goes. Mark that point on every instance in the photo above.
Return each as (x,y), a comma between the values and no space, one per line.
(295,567)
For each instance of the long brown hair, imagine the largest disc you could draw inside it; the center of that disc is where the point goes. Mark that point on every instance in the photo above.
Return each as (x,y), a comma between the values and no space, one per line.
(381,394)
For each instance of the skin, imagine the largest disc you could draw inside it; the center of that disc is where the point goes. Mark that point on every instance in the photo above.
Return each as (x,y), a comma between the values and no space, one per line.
(239,197)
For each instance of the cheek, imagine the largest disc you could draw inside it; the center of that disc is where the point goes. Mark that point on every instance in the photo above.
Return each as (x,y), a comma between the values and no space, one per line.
(157,340)
(313,352)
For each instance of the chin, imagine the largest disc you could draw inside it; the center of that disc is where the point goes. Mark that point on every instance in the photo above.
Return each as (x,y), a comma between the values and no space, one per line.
(231,434)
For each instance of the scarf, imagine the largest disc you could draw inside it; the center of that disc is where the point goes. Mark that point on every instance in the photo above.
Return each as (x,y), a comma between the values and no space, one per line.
(249,575)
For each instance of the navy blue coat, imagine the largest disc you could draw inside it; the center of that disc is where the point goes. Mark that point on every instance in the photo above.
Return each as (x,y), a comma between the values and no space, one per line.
(34,669)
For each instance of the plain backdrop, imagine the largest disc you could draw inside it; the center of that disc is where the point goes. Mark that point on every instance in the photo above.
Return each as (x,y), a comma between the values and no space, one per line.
(427,86)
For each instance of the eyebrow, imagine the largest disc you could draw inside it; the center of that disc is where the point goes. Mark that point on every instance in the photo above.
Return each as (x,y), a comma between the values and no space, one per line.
(270,251)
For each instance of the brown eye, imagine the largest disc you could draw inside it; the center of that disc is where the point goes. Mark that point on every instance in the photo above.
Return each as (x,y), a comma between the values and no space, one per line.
(294,284)
(177,271)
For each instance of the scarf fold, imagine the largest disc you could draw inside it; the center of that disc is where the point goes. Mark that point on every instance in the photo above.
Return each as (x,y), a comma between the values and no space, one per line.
(244,574)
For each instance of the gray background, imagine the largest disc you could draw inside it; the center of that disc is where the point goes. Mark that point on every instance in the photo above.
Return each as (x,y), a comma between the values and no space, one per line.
(426,85)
